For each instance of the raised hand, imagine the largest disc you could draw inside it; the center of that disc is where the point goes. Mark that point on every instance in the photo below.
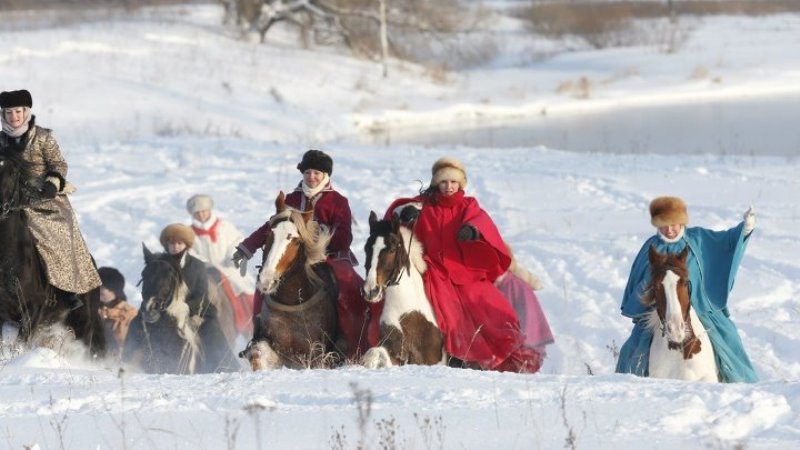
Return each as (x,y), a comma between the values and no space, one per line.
(749,220)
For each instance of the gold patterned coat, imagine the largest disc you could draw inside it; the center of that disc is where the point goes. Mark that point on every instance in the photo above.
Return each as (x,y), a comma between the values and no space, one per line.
(53,223)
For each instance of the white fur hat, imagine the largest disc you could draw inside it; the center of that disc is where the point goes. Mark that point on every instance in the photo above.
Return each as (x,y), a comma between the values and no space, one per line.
(447,168)
(199,202)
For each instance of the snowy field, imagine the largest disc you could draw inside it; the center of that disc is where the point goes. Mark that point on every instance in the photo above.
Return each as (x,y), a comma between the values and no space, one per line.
(150,111)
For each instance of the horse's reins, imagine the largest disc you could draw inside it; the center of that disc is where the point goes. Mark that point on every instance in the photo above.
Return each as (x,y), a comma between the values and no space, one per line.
(395,280)
(319,295)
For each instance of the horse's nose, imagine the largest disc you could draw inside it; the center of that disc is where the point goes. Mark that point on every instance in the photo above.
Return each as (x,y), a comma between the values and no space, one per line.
(151,316)
(372,295)
(676,330)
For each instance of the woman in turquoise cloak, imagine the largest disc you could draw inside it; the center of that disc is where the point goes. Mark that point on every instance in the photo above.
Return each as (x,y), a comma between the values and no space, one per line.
(714,258)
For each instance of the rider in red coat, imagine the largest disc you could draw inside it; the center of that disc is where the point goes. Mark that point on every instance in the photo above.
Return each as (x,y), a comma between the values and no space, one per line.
(465,255)
(331,210)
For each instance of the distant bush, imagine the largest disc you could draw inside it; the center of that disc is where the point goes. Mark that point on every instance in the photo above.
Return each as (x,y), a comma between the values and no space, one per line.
(611,23)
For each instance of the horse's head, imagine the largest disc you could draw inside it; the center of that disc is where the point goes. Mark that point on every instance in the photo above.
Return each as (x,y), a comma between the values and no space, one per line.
(14,192)
(386,259)
(670,293)
(295,242)
(162,284)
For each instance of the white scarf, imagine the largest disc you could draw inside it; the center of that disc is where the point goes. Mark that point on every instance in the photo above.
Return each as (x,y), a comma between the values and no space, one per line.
(675,239)
(310,192)
(17,132)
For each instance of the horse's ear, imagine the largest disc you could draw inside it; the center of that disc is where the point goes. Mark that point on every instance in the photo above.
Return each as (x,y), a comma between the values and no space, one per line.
(280,202)
(373,218)
(395,223)
(148,255)
(307,216)
(683,255)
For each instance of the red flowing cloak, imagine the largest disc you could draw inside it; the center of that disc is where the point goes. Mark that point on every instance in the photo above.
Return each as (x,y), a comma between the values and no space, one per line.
(478,323)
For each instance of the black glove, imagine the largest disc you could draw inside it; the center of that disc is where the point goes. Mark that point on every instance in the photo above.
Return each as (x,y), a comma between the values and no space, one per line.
(237,258)
(468,233)
(49,190)
(409,214)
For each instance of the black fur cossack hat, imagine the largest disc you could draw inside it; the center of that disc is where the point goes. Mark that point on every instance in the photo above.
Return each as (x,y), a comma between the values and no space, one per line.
(317,160)
(15,99)
(113,280)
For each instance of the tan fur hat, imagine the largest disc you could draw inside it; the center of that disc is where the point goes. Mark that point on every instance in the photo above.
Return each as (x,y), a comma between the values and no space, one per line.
(177,232)
(447,168)
(199,202)
(665,211)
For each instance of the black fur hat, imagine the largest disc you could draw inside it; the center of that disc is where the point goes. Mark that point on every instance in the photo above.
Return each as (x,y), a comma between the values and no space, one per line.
(14,99)
(112,280)
(317,160)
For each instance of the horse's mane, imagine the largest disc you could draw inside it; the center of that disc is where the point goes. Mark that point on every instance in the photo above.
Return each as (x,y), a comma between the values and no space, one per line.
(415,250)
(315,240)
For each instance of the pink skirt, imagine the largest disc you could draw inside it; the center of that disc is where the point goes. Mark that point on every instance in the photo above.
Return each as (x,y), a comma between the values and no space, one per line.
(532,320)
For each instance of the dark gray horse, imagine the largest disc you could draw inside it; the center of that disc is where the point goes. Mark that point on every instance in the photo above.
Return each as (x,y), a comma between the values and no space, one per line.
(27,300)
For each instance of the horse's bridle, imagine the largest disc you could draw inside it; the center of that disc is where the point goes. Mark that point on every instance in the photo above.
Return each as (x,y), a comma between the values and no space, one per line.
(686,318)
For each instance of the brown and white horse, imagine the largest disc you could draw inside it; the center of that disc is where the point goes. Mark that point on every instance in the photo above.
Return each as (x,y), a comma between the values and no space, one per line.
(394,265)
(298,320)
(681,348)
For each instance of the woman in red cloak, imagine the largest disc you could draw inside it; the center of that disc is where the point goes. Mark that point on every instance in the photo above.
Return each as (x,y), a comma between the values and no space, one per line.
(465,255)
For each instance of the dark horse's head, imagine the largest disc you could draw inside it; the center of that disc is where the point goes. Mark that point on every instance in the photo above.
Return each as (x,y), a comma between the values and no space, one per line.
(163,288)
(14,191)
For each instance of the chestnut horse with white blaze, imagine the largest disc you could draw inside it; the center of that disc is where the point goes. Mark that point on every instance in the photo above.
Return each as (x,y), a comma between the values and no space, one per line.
(681,348)
(299,319)
(394,265)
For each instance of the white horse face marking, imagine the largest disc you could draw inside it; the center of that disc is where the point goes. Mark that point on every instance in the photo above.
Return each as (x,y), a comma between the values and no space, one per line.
(284,235)
(373,290)
(674,316)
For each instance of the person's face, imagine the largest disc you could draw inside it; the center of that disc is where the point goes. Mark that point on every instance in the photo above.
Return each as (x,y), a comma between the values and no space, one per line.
(313,177)
(670,231)
(176,247)
(448,187)
(14,116)
(202,216)
(106,295)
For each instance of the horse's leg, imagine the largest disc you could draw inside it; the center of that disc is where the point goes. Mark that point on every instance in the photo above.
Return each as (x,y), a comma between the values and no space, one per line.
(376,358)
(261,356)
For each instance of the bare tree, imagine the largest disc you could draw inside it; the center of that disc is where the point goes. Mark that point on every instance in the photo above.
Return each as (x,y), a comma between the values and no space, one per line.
(369,28)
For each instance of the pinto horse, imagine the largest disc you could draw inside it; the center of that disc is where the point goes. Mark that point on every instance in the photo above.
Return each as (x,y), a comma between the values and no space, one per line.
(27,300)
(394,265)
(163,337)
(681,348)
(298,323)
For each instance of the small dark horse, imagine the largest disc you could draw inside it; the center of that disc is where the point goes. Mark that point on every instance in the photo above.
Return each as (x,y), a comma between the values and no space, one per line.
(27,300)
(163,337)
(300,295)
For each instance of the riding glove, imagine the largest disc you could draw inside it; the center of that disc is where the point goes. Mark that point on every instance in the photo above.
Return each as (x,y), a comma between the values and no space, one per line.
(49,190)
(468,232)
(409,214)
(240,261)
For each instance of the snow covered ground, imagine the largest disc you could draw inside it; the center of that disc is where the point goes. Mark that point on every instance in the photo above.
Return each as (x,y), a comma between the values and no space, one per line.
(151,111)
